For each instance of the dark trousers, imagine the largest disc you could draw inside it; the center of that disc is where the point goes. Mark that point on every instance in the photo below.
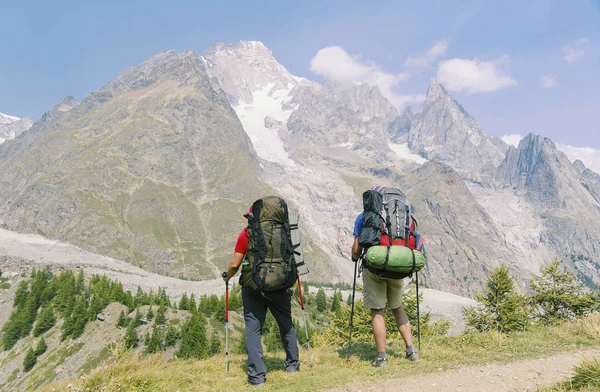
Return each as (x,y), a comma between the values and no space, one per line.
(255,311)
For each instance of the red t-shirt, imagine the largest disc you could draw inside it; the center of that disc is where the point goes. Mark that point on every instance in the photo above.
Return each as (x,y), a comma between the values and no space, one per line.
(241,246)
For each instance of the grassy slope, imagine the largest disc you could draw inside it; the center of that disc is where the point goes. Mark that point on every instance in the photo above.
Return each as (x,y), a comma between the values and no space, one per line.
(131,373)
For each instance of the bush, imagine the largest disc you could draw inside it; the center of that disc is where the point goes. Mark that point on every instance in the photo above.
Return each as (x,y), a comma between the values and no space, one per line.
(502,308)
(321,300)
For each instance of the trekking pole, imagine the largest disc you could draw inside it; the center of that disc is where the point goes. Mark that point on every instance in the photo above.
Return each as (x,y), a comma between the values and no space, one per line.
(305,328)
(226,324)
(352,309)
(418,316)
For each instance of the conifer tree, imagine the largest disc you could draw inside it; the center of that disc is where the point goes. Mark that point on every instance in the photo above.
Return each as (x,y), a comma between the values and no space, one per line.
(160,315)
(12,330)
(79,317)
(41,347)
(21,294)
(503,308)
(215,344)
(183,302)
(273,339)
(557,296)
(156,343)
(45,320)
(79,285)
(137,318)
(150,314)
(171,336)
(30,360)
(335,303)
(192,307)
(193,338)
(123,320)
(349,300)
(28,315)
(131,336)
(321,300)
(96,306)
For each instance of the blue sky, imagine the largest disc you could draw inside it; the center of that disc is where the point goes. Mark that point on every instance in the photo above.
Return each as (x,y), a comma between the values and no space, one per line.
(491,55)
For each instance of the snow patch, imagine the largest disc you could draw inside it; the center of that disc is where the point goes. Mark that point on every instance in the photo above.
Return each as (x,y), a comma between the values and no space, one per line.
(6,119)
(266,103)
(404,153)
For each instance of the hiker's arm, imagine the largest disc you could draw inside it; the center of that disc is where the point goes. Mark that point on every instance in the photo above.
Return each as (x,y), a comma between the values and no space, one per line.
(234,265)
(356,249)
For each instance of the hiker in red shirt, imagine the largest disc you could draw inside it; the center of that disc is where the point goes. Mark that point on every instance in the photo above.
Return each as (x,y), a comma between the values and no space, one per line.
(255,310)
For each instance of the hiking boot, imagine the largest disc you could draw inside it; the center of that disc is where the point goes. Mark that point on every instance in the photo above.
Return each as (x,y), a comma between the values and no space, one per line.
(258,385)
(380,362)
(413,356)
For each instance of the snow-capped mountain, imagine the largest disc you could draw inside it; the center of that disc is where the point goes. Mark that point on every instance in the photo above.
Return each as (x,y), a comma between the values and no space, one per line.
(11,126)
(157,166)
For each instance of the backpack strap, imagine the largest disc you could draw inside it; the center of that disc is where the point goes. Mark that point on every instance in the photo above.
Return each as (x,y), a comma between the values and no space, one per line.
(407,226)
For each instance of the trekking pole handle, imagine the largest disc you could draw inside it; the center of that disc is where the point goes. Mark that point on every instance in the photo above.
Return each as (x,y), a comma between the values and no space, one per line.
(300,293)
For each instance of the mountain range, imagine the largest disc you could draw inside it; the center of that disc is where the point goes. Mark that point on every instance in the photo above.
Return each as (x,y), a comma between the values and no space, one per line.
(157,166)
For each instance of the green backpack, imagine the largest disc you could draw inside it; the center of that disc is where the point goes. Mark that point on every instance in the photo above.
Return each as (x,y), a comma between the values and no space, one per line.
(270,259)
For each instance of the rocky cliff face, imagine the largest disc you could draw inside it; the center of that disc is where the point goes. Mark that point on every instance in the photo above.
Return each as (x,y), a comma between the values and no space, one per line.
(445,132)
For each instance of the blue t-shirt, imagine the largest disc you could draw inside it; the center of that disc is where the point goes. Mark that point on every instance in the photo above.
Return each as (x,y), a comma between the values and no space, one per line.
(358,225)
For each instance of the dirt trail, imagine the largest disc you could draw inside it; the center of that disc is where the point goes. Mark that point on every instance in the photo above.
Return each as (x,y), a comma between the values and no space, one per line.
(525,375)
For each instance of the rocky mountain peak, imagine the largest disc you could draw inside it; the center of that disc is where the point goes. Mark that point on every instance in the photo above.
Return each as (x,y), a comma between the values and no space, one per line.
(11,126)
(579,166)
(246,67)
(166,65)
(446,132)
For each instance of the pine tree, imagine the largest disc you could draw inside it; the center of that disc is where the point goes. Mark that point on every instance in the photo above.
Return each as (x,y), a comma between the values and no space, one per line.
(131,336)
(79,317)
(193,338)
(503,308)
(557,296)
(45,320)
(41,347)
(241,344)
(137,319)
(273,339)
(215,344)
(192,307)
(155,341)
(123,320)
(96,306)
(30,360)
(160,315)
(150,314)
(321,300)
(141,298)
(79,285)
(335,303)
(28,315)
(349,300)
(183,302)
(171,336)
(21,294)
(12,330)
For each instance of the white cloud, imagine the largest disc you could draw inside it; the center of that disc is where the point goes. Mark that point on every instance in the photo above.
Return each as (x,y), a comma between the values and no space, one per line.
(428,58)
(576,51)
(512,139)
(588,155)
(335,63)
(548,81)
(475,76)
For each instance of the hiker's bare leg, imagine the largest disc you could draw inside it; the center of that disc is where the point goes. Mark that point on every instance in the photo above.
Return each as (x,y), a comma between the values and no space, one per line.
(378,328)
(403,325)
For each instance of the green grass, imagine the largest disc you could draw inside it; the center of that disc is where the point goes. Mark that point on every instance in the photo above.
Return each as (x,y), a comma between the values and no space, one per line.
(586,378)
(5,286)
(130,372)
(93,361)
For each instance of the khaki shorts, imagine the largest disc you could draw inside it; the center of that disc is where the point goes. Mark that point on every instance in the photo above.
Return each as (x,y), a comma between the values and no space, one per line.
(376,291)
